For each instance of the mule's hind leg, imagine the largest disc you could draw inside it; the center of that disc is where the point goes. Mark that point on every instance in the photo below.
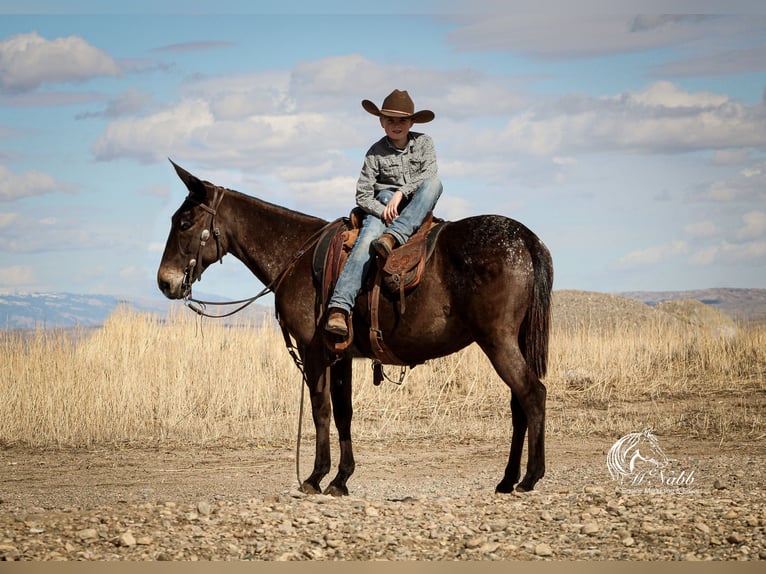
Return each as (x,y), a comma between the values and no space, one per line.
(535,410)
(528,412)
(513,469)
(340,390)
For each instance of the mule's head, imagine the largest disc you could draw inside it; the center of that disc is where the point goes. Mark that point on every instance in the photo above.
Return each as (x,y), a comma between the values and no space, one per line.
(193,242)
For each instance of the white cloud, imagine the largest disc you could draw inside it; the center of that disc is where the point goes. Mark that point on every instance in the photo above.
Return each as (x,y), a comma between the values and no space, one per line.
(16,276)
(748,250)
(190,130)
(452,208)
(36,233)
(668,95)
(295,128)
(565,34)
(738,61)
(732,157)
(747,185)
(662,118)
(335,195)
(242,95)
(28,60)
(652,255)
(335,163)
(564,161)
(709,43)
(728,252)
(201,46)
(16,186)
(129,102)
(156,136)
(7,219)
(703,229)
(754,225)
(132,272)
(705,256)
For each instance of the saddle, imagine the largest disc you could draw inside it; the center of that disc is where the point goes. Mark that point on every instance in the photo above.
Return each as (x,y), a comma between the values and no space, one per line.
(401,273)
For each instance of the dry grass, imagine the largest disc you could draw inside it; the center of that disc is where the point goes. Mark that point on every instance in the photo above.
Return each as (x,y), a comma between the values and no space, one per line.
(143,380)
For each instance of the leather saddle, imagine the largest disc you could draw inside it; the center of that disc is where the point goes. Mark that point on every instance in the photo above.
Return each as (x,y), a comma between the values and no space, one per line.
(401,273)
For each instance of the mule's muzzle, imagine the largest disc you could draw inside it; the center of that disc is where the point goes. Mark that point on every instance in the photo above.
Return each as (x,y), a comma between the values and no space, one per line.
(173,284)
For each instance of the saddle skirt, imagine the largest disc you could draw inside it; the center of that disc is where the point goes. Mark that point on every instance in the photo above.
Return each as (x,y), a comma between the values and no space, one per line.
(401,273)
(403,269)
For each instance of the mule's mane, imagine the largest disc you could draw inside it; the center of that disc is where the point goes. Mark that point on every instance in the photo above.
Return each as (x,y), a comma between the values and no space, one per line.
(278,210)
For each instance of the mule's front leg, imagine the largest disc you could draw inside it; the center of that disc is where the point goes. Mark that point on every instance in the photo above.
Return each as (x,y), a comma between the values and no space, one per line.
(340,390)
(321,410)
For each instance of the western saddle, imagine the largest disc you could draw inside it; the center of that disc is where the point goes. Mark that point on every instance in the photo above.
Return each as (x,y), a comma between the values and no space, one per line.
(401,273)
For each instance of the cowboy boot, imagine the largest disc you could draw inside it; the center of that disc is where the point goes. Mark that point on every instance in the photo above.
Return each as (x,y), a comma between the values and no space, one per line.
(384,245)
(336,323)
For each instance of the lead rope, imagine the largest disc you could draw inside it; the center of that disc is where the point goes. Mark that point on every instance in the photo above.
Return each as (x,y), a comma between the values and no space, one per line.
(304,383)
(199,307)
(298,440)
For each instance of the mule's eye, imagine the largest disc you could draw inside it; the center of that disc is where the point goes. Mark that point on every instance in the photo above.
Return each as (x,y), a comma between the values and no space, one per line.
(185,225)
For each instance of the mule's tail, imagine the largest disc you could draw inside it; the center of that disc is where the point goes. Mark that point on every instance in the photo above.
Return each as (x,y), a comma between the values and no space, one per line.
(535,330)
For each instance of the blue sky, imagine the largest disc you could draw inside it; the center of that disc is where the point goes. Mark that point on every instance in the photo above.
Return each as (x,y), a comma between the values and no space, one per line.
(631,142)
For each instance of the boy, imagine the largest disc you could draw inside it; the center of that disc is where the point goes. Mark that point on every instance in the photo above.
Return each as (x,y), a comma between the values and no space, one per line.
(397,188)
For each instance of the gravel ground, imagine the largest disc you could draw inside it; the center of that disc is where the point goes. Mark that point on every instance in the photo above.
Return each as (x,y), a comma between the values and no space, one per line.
(409,501)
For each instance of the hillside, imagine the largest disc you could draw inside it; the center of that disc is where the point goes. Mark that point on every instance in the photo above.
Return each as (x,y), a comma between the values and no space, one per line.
(49,310)
(570,307)
(65,310)
(739,304)
(573,310)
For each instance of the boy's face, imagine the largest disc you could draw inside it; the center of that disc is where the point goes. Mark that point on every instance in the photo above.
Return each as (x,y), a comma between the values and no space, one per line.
(397,129)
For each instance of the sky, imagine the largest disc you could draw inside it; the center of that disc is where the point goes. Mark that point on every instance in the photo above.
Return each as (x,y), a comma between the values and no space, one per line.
(631,141)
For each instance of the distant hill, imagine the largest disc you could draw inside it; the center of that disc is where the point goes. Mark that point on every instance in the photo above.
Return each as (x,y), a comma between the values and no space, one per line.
(57,310)
(739,304)
(64,310)
(575,310)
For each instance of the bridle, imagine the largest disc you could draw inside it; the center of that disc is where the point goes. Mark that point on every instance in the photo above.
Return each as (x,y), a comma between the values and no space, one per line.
(191,268)
(190,275)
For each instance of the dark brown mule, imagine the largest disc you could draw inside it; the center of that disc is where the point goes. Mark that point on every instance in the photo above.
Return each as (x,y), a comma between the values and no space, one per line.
(489,280)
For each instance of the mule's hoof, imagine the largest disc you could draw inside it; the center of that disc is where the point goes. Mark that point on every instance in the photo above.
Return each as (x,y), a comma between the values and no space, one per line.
(334,490)
(309,488)
(504,487)
(522,487)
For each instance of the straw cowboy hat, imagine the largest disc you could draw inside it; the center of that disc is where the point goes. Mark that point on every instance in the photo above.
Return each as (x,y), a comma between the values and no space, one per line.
(398,104)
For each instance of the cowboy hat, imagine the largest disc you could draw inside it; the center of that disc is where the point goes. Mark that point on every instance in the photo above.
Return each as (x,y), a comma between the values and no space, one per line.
(398,104)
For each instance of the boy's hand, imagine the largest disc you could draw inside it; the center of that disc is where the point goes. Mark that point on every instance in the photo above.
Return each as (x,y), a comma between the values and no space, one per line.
(391,211)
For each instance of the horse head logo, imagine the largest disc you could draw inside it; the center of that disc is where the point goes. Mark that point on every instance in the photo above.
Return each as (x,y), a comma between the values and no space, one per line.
(635,456)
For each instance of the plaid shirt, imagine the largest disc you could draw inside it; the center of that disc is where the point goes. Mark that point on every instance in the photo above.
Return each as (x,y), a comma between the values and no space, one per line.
(386,167)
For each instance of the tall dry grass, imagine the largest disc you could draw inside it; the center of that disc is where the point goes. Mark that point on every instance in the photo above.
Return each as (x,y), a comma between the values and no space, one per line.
(142,380)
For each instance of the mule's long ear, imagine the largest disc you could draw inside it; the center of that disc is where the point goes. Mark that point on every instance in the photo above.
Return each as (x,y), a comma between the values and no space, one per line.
(192,183)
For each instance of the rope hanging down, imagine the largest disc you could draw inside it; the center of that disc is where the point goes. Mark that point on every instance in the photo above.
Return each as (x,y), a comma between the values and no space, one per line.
(200,308)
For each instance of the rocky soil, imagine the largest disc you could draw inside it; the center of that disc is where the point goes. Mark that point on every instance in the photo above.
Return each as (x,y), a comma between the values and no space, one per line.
(424,501)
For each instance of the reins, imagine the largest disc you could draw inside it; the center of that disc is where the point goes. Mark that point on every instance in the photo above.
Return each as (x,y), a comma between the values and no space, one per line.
(199,306)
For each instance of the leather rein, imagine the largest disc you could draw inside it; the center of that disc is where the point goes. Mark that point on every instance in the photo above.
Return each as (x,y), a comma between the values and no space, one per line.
(199,306)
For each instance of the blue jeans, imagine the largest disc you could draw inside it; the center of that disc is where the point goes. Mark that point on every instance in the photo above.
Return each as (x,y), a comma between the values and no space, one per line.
(411,215)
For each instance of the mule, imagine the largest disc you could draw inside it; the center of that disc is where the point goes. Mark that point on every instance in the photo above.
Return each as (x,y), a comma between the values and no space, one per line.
(488,281)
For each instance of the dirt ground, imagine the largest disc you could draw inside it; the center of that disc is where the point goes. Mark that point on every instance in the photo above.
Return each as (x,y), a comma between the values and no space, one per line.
(408,500)
(88,478)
